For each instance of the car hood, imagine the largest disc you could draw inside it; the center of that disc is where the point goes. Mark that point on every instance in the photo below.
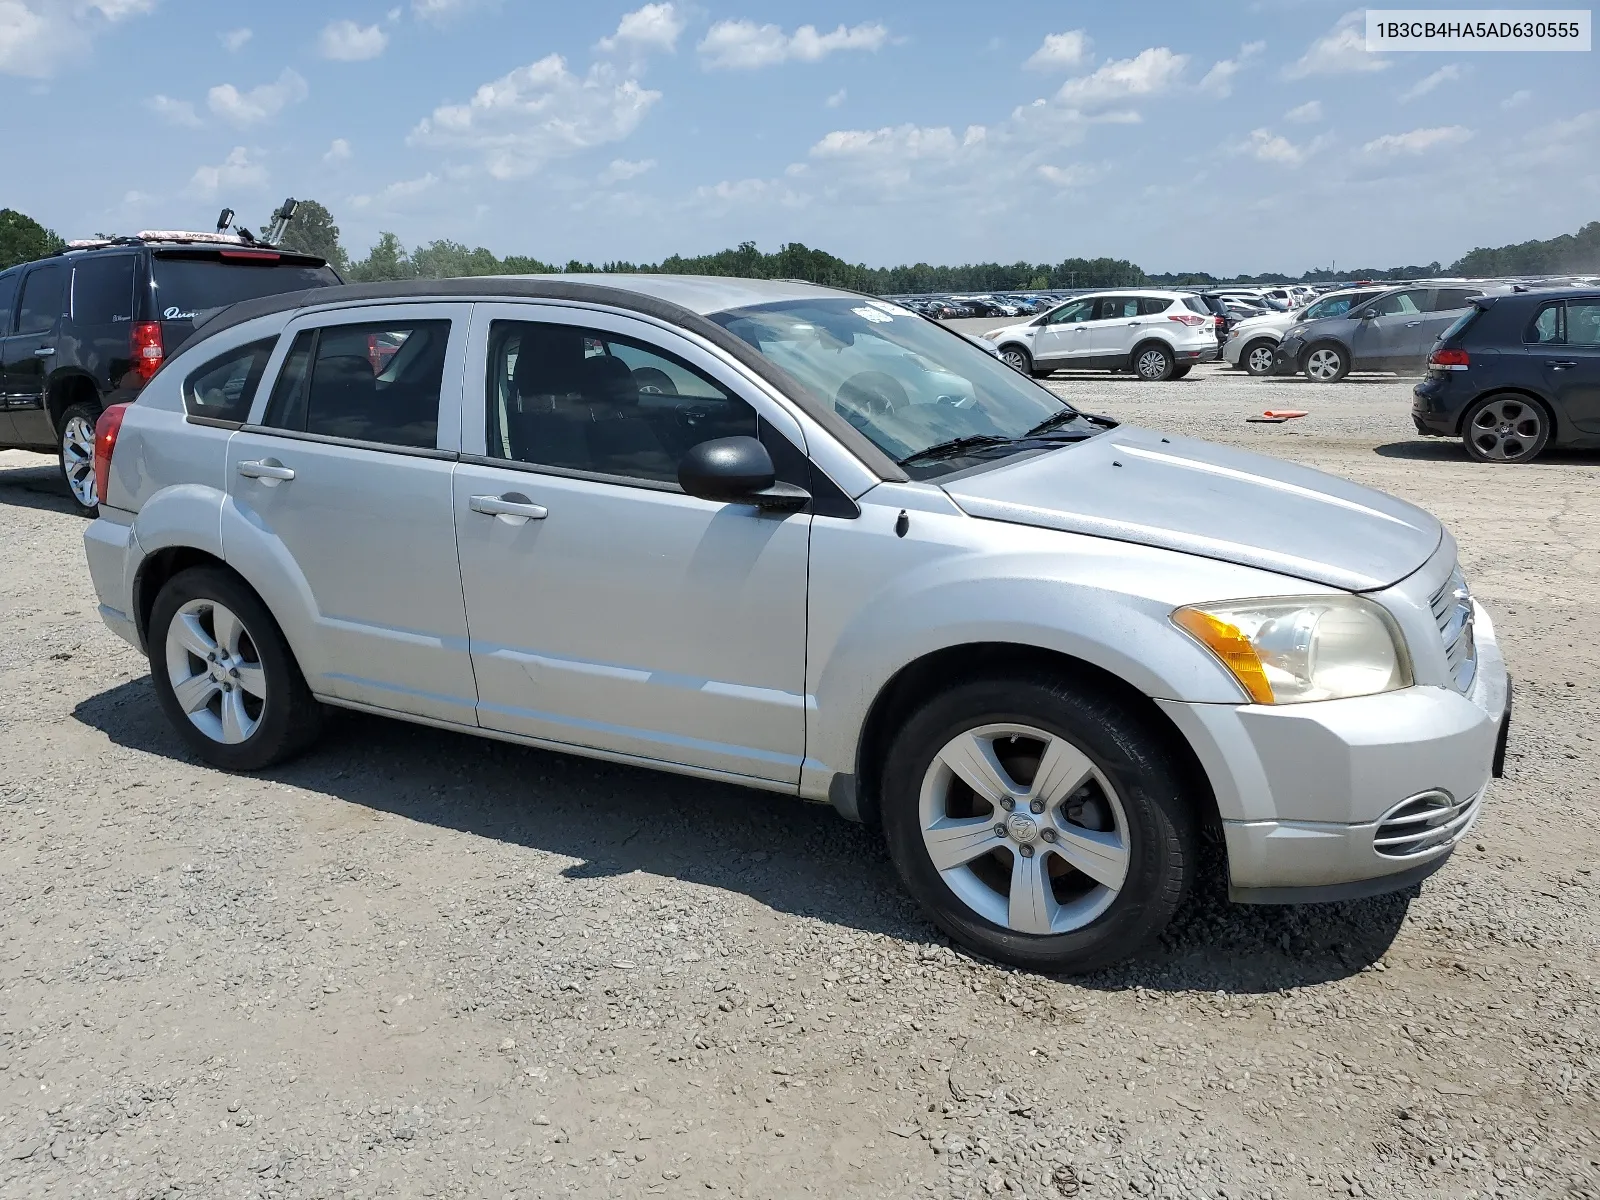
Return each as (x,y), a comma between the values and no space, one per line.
(1265,321)
(1137,485)
(1016,330)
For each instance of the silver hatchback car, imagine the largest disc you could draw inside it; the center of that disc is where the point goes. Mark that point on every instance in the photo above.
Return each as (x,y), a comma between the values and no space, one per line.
(811,542)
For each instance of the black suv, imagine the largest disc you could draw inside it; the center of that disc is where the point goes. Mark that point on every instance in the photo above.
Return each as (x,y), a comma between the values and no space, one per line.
(99,317)
(1514,374)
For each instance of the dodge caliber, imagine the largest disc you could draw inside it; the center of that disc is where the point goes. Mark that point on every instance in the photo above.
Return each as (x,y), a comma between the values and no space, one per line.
(809,542)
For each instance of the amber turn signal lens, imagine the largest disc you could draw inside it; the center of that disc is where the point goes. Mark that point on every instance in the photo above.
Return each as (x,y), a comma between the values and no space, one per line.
(1231,646)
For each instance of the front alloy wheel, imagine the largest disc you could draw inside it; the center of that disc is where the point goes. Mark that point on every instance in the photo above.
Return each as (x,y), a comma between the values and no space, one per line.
(1258,358)
(1326,364)
(1017,359)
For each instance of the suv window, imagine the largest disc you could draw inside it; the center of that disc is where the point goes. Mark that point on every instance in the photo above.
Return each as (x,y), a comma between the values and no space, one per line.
(102,289)
(8,299)
(1112,307)
(1073,313)
(1545,326)
(190,282)
(44,295)
(225,387)
(375,382)
(1401,303)
(585,400)
(1195,304)
(1449,299)
(1583,323)
(1150,306)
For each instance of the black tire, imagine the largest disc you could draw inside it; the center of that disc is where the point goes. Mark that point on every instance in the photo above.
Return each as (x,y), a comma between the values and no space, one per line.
(1017,358)
(1336,358)
(289,718)
(1262,350)
(1506,429)
(1180,372)
(77,472)
(1152,363)
(1161,825)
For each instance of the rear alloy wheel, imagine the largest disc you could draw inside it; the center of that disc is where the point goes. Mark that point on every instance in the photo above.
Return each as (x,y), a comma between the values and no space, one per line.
(1017,359)
(1258,357)
(76,452)
(1154,364)
(1505,429)
(1327,363)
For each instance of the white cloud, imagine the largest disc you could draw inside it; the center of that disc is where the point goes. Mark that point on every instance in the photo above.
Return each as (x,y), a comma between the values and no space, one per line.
(1340,51)
(1149,73)
(238,170)
(1076,175)
(838,98)
(744,45)
(1268,147)
(234,40)
(37,35)
(621,169)
(440,10)
(1306,113)
(405,188)
(258,104)
(1417,141)
(536,113)
(174,112)
(1070,49)
(655,26)
(899,142)
(1219,80)
(1517,99)
(338,151)
(345,41)
(1445,74)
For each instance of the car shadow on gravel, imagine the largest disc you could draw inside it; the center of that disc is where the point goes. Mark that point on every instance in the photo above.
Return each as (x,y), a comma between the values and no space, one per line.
(1451,450)
(35,487)
(792,856)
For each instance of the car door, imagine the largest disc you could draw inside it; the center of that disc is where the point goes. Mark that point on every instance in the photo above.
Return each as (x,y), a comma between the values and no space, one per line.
(1065,333)
(1117,325)
(340,492)
(606,608)
(8,302)
(1392,336)
(26,356)
(1572,368)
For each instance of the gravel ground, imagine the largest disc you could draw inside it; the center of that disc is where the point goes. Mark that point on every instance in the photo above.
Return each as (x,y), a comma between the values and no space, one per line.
(419,964)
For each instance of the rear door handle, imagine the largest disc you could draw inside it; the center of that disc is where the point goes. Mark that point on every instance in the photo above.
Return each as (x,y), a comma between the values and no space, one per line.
(44,352)
(267,469)
(1412,324)
(1560,364)
(513,508)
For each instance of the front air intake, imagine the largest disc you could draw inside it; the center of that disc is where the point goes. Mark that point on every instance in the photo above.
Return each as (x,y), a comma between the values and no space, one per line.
(1425,822)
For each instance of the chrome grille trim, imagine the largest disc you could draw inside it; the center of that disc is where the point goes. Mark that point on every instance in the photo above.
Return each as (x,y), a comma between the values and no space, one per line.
(1424,823)
(1452,612)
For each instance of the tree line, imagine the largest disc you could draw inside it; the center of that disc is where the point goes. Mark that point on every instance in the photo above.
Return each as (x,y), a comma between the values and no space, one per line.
(313,231)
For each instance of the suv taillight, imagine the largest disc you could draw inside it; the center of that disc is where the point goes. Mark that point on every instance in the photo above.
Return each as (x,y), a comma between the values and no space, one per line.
(144,343)
(1190,319)
(1449,358)
(105,441)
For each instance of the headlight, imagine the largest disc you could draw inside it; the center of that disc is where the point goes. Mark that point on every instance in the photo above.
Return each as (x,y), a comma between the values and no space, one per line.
(1294,331)
(1294,649)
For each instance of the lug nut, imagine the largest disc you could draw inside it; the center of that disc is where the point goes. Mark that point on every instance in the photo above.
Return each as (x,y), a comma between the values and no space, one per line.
(1037,806)
(1048,835)
(1027,851)
(1007,803)
(999,831)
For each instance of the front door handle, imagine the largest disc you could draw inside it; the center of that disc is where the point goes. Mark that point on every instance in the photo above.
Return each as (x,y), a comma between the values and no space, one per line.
(1560,364)
(1412,324)
(44,351)
(513,508)
(268,469)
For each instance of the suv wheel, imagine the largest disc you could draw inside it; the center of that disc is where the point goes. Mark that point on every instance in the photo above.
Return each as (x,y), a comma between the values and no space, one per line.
(1037,824)
(1017,359)
(1258,357)
(1327,363)
(224,675)
(76,454)
(1154,363)
(1505,429)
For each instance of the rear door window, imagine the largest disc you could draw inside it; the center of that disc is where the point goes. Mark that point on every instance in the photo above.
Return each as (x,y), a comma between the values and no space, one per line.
(1583,323)
(8,299)
(102,289)
(1545,328)
(190,283)
(225,387)
(1113,308)
(44,296)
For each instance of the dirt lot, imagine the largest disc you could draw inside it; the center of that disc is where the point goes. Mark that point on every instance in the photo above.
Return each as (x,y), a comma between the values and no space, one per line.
(419,964)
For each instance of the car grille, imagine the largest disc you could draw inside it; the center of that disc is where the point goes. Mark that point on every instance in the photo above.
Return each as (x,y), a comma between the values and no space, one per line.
(1425,822)
(1452,611)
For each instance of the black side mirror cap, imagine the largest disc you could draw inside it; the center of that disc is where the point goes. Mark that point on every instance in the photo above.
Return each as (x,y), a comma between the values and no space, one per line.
(737,470)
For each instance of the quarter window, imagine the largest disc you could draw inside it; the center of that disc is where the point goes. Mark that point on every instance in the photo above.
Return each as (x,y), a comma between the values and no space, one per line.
(1152,306)
(375,382)
(225,387)
(1450,299)
(1583,323)
(102,290)
(44,295)
(1546,325)
(585,400)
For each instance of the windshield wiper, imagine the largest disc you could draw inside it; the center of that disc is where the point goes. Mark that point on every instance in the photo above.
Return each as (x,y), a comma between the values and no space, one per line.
(973,441)
(1054,421)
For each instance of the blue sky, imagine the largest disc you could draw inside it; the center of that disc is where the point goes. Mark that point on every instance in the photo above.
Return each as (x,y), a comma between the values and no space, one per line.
(1225,136)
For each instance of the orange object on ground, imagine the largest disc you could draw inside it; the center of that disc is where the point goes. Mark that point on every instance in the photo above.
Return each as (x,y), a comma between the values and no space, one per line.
(1284,413)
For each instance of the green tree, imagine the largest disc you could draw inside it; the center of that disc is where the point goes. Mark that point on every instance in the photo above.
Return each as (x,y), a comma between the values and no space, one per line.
(22,239)
(312,231)
(386,260)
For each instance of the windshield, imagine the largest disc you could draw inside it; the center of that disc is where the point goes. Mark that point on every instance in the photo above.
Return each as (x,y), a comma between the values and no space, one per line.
(905,383)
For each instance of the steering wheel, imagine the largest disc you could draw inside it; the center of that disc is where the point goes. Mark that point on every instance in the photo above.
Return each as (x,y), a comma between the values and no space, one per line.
(869,394)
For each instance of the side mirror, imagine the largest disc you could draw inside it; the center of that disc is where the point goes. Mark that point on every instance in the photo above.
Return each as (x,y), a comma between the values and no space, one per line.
(1366,314)
(737,470)
(1040,320)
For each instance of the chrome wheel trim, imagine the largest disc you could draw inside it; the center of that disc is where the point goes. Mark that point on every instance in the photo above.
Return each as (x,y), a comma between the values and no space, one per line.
(1015,359)
(1034,872)
(1323,365)
(1260,359)
(1152,364)
(215,672)
(1507,430)
(77,460)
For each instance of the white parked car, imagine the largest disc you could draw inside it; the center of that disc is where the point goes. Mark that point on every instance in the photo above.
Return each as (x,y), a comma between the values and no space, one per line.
(1253,343)
(1154,334)
(801,541)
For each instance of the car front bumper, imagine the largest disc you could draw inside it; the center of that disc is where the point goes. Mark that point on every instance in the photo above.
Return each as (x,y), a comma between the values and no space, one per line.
(1287,359)
(1307,791)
